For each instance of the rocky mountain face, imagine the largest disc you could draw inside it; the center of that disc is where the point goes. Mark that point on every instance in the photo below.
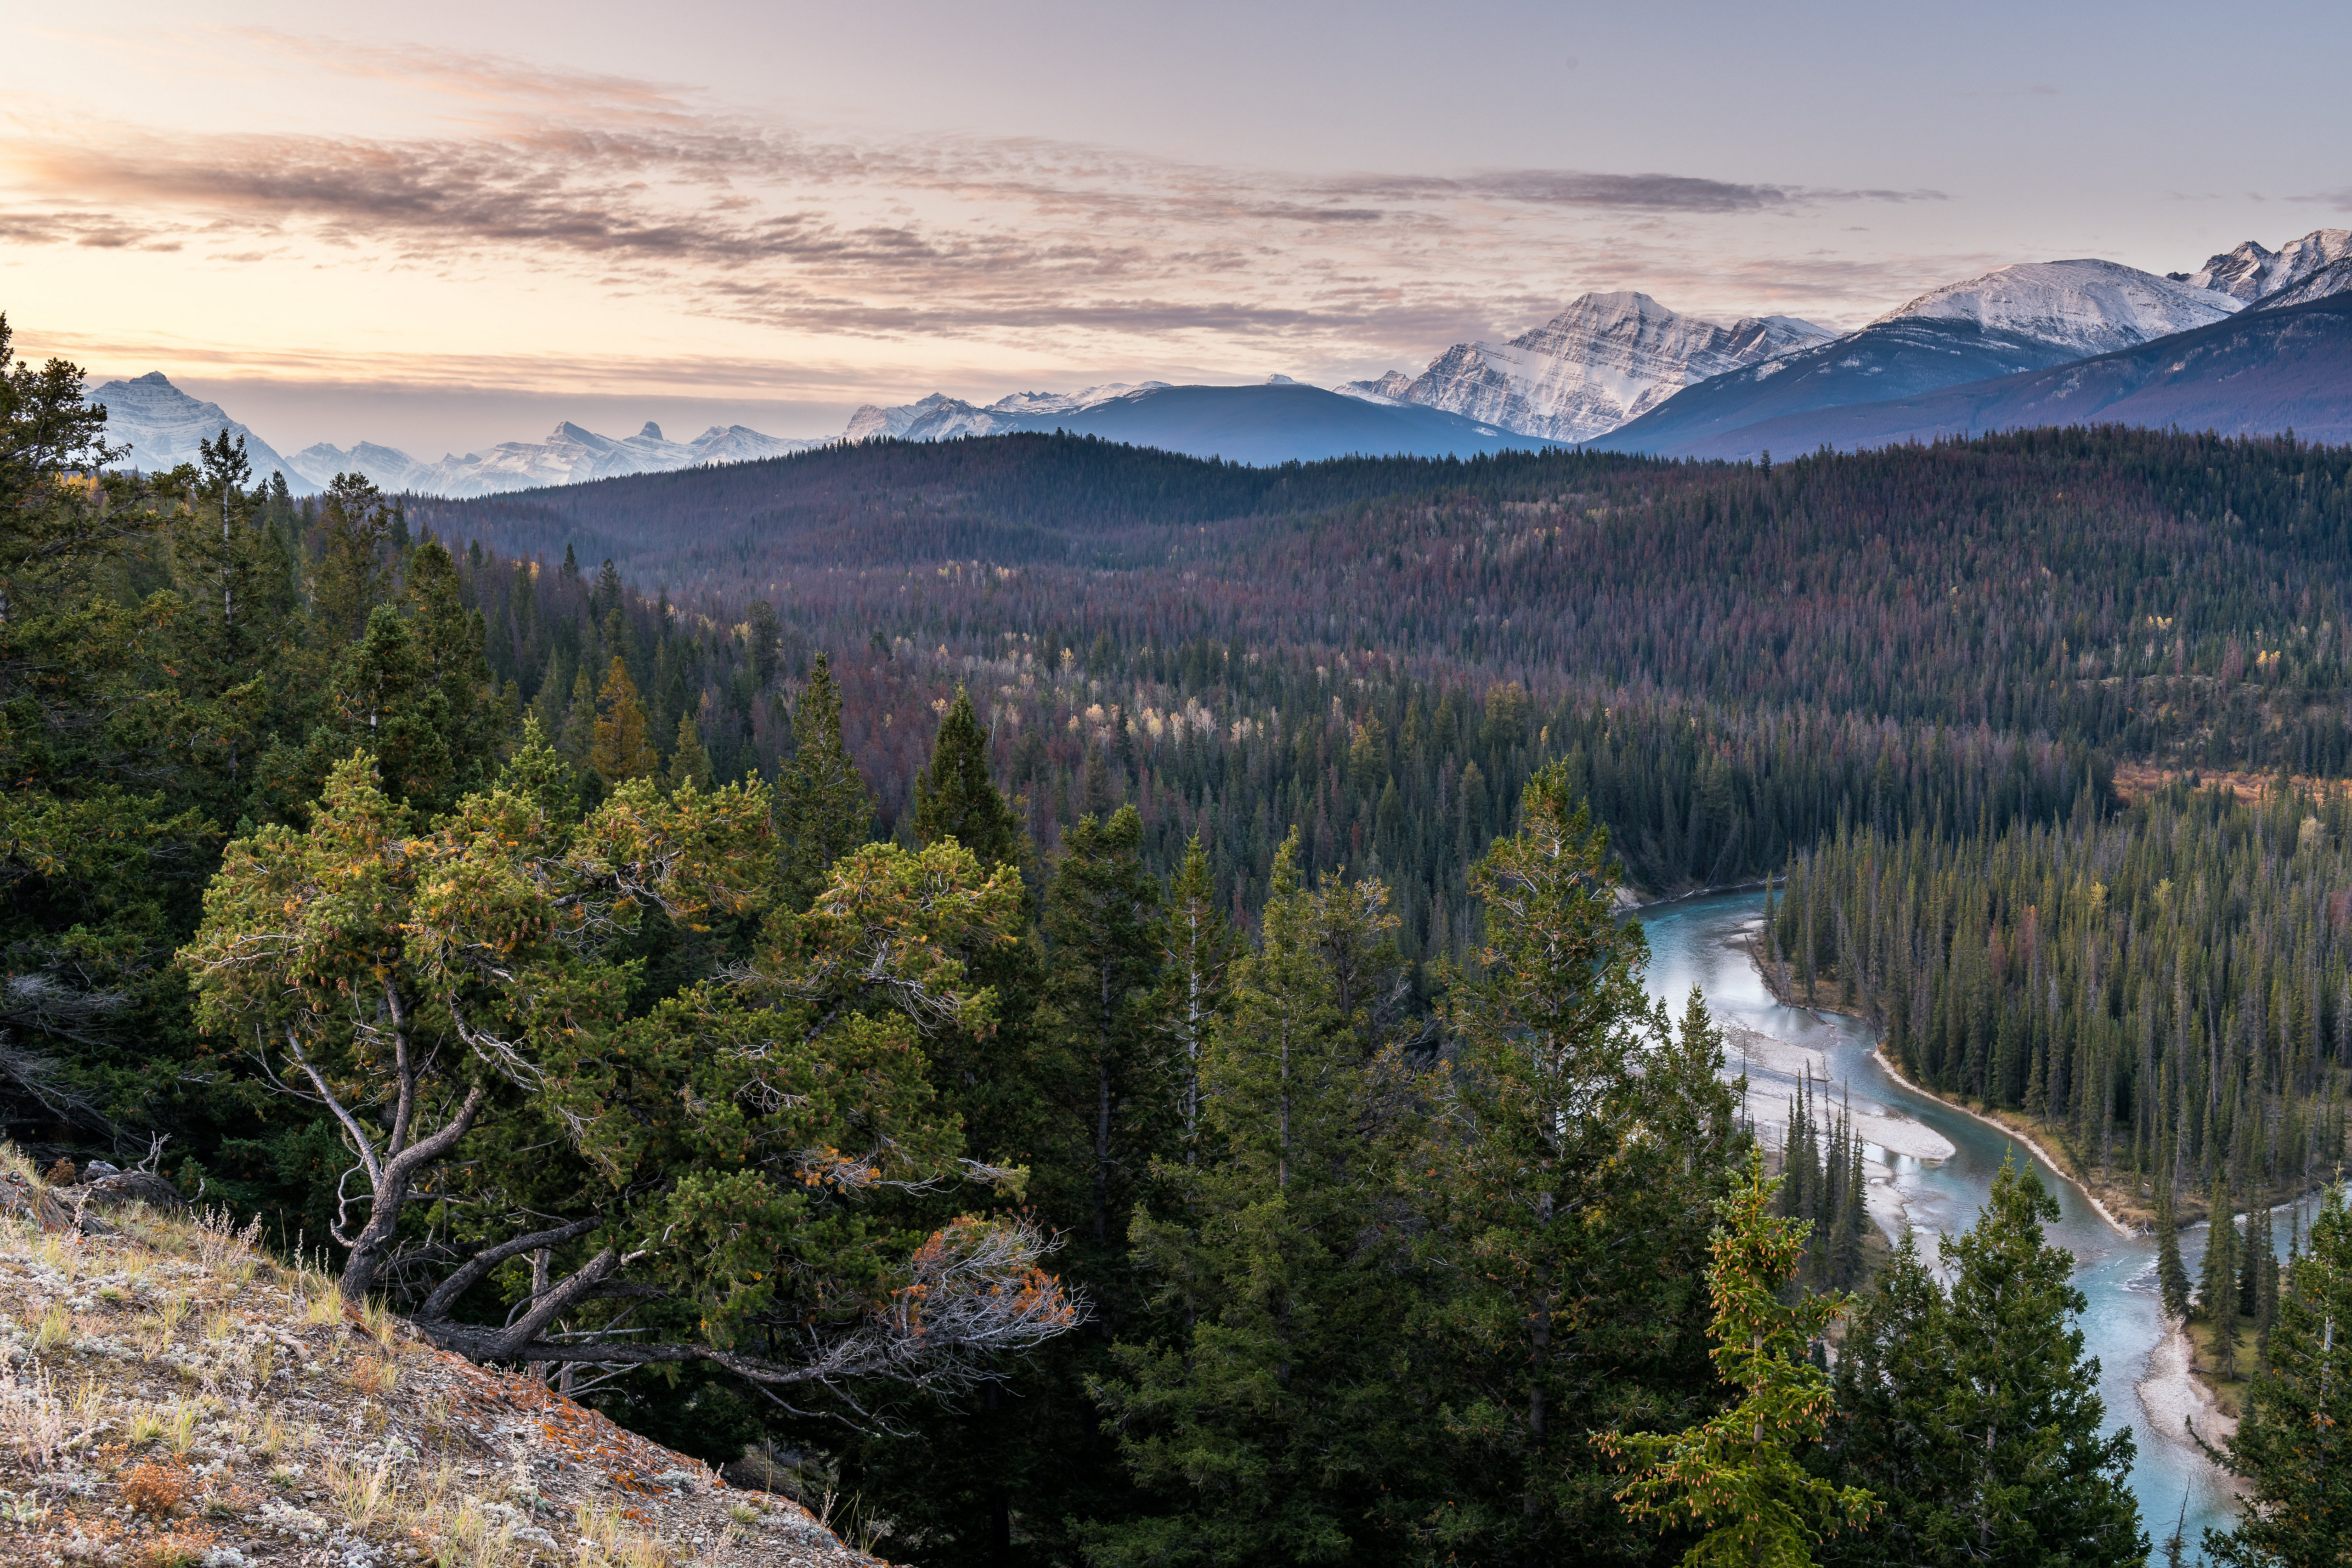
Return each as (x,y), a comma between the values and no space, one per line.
(1605,360)
(940,418)
(2251,273)
(569,455)
(2260,372)
(161,425)
(2081,308)
(2335,278)
(2003,323)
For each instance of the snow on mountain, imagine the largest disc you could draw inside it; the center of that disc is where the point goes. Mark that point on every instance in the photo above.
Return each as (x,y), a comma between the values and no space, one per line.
(1390,388)
(387,468)
(1606,359)
(2249,272)
(940,418)
(2335,278)
(162,426)
(2086,307)
(570,454)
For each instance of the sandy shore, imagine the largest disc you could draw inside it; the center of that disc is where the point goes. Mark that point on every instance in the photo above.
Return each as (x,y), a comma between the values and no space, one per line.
(2172,1394)
(1768,1106)
(2057,1166)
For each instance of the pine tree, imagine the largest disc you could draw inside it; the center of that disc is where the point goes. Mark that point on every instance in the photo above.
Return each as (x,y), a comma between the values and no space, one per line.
(2294,1441)
(1975,1415)
(956,797)
(1270,1425)
(621,751)
(1736,1476)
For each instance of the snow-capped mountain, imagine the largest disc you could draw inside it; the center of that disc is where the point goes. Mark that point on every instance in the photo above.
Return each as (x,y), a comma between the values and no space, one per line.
(569,455)
(162,426)
(2335,278)
(940,418)
(1606,359)
(2014,318)
(1389,388)
(2251,272)
(2085,307)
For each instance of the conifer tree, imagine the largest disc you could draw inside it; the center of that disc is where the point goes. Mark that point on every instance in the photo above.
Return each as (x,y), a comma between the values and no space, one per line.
(1270,1428)
(1974,1415)
(1102,937)
(621,750)
(821,810)
(2217,1292)
(1195,973)
(956,797)
(2294,1444)
(1569,1243)
(1736,1476)
(689,764)
(2171,1275)
(354,572)
(578,737)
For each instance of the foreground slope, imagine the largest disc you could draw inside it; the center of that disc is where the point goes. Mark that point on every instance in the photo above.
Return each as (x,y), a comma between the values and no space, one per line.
(170,1398)
(2263,372)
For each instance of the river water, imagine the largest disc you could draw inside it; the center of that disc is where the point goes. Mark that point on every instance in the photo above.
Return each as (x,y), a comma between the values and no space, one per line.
(1931,1167)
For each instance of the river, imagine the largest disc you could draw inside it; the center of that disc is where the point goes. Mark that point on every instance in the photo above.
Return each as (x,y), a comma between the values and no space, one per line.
(1931,1167)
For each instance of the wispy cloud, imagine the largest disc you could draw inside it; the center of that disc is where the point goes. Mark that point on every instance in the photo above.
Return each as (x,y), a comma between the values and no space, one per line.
(640,190)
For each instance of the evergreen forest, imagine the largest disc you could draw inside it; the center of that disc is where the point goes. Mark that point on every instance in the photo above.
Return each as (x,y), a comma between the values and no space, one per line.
(1078,1002)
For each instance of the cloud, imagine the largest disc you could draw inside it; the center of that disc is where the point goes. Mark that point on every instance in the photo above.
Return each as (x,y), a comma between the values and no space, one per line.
(640,190)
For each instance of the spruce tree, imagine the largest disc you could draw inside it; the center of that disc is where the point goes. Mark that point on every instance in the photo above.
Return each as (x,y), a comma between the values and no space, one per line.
(689,764)
(1195,974)
(2294,1444)
(1570,1244)
(2217,1292)
(354,572)
(956,797)
(822,809)
(1975,1415)
(1269,1426)
(1102,937)
(2171,1275)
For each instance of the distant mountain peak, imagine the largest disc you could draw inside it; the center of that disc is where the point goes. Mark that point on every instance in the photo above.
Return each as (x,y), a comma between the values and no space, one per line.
(2250,271)
(2087,306)
(1606,359)
(162,426)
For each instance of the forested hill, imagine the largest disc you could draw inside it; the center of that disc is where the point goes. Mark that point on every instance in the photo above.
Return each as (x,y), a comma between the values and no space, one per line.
(2159,595)
(1007,498)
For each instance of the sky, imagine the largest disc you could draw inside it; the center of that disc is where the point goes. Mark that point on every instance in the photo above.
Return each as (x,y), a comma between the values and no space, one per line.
(442,226)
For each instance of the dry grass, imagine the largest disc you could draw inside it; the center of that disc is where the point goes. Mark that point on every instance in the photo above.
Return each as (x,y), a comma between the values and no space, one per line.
(173,1406)
(33,1419)
(375,1376)
(180,1548)
(57,1330)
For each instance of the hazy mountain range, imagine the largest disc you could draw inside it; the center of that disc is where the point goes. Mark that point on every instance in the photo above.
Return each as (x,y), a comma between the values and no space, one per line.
(1619,370)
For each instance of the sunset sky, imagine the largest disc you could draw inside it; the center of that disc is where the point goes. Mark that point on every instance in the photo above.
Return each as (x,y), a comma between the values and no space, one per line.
(441,225)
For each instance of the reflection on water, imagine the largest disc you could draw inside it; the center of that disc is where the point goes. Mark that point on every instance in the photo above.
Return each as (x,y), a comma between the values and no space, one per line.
(1932,1172)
